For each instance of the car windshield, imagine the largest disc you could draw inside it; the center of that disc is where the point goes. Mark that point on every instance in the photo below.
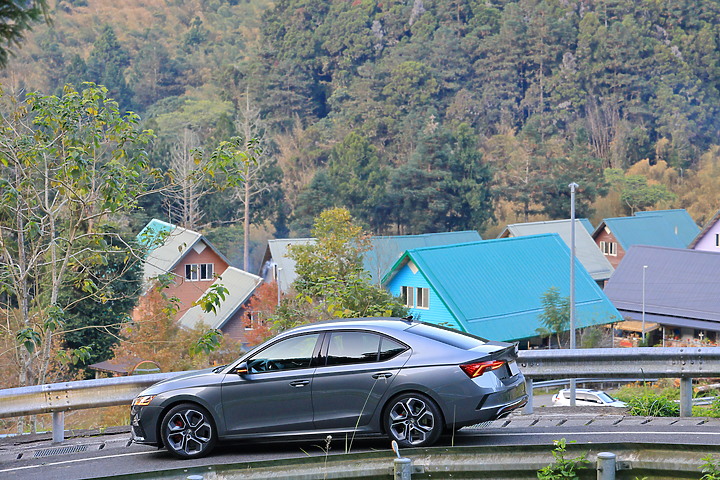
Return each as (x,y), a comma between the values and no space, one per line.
(605,397)
(448,336)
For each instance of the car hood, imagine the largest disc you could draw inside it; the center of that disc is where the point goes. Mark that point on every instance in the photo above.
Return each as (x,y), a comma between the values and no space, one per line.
(190,379)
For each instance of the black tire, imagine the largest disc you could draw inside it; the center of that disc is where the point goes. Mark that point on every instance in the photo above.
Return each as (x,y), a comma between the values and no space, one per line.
(188,431)
(413,420)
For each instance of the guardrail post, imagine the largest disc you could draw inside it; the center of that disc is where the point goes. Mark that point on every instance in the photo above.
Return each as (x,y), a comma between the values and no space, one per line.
(606,466)
(58,427)
(529,388)
(403,469)
(686,393)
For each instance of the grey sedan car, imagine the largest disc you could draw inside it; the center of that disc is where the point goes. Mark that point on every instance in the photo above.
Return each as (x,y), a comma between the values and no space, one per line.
(405,379)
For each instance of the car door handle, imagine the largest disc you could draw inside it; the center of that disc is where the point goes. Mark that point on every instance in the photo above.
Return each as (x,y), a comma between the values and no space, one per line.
(383,375)
(300,383)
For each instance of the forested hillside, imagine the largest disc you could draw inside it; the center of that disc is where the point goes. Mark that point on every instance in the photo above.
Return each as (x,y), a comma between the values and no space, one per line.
(419,116)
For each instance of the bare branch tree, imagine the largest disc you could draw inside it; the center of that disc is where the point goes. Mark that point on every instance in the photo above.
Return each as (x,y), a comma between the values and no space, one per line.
(184,198)
(250,127)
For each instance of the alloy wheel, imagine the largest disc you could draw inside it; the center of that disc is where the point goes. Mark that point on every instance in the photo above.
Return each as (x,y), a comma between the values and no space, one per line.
(188,432)
(412,421)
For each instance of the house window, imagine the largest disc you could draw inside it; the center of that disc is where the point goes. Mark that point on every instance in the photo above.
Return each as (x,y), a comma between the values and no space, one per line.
(422,298)
(408,295)
(191,271)
(609,248)
(206,271)
(194,271)
(249,321)
(717,239)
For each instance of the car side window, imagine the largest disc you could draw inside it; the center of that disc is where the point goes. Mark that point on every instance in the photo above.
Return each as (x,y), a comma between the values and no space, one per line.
(390,348)
(352,347)
(289,354)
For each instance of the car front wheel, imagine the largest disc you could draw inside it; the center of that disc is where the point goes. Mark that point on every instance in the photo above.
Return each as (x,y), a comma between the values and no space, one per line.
(413,420)
(188,431)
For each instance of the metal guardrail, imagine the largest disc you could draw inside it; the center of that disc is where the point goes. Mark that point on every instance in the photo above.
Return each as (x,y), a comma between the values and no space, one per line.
(673,362)
(683,363)
(57,398)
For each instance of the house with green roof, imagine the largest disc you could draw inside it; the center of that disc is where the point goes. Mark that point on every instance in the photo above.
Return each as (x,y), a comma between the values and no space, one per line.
(384,252)
(494,288)
(661,228)
(680,221)
(585,248)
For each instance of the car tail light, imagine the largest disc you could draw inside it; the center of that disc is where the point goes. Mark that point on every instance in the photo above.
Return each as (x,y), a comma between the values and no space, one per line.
(478,368)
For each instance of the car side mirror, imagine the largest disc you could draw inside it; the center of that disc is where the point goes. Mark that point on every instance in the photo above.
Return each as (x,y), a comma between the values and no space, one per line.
(241,368)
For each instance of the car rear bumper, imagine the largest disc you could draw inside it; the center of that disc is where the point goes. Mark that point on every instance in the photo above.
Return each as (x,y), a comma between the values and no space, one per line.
(490,405)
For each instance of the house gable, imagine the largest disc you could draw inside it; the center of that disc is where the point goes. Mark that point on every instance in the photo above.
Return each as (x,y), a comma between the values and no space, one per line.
(708,239)
(437,312)
(608,245)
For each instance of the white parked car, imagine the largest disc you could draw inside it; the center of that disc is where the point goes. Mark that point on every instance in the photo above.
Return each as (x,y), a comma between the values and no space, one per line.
(585,397)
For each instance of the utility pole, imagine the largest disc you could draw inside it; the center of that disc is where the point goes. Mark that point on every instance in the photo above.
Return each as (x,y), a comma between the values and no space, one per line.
(572,186)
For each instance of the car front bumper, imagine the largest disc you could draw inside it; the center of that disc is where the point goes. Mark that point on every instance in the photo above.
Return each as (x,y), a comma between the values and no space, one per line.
(144,423)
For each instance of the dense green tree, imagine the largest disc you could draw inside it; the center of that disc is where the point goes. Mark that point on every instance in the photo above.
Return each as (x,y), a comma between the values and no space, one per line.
(106,66)
(155,75)
(445,185)
(17,18)
(93,322)
(331,281)
(636,193)
(64,172)
(355,170)
(319,195)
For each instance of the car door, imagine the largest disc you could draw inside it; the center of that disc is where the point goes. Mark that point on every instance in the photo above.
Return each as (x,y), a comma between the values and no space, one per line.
(357,368)
(275,395)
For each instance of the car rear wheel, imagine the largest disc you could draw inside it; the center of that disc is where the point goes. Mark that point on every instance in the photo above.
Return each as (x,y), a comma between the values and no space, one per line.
(188,431)
(413,420)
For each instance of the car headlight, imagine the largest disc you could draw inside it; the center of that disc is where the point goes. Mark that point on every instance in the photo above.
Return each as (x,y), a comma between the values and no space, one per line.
(143,400)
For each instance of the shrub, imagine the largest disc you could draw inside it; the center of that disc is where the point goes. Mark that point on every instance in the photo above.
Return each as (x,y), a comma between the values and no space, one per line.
(653,405)
(711,468)
(562,467)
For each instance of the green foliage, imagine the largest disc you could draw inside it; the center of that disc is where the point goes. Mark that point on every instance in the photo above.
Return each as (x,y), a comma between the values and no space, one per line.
(635,191)
(18,17)
(66,164)
(93,317)
(29,338)
(106,66)
(208,342)
(212,298)
(337,252)
(563,467)
(76,357)
(650,401)
(556,313)
(710,469)
(331,280)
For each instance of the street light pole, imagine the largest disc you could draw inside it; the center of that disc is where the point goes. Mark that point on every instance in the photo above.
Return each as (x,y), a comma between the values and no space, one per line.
(277,280)
(572,186)
(643,304)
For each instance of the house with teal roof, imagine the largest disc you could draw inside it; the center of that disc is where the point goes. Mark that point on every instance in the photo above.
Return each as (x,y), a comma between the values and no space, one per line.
(661,228)
(383,253)
(494,288)
(680,221)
